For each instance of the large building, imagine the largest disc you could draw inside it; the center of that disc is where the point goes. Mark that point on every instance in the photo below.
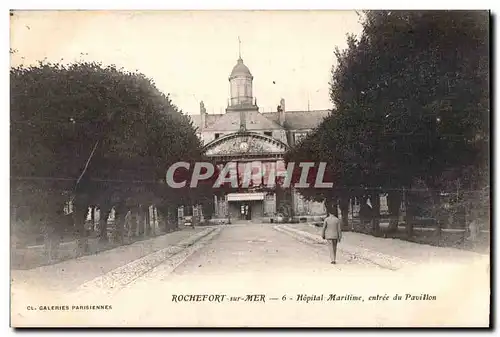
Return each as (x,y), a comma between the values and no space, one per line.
(244,134)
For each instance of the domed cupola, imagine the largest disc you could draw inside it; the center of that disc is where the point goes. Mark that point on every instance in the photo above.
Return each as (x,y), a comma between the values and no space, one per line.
(240,82)
(240,69)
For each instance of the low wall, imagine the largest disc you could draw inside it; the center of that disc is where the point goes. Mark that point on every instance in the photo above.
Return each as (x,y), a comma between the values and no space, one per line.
(309,218)
(37,255)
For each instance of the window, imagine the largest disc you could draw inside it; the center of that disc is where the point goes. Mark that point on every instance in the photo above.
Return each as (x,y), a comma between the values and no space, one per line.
(217,135)
(68,207)
(188,210)
(268,133)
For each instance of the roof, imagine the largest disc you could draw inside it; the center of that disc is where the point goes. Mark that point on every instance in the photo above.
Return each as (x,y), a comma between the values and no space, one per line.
(230,121)
(297,120)
(240,69)
(294,120)
(210,119)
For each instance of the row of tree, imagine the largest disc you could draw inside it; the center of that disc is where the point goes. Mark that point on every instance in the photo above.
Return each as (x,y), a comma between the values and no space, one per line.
(99,136)
(411,111)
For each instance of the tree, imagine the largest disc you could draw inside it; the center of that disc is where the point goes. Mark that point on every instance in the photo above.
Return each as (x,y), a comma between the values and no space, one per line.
(320,147)
(411,103)
(416,86)
(102,134)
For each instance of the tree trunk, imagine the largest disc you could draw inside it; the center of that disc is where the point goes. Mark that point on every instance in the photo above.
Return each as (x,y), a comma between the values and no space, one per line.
(409,219)
(158,220)
(436,200)
(344,210)
(52,238)
(394,205)
(162,217)
(140,222)
(352,203)
(208,207)
(151,212)
(409,224)
(104,211)
(173,220)
(364,211)
(119,228)
(133,221)
(128,226)
(13,226)
(146,219)
(375,199)
(92,217)
(79,218)
(166,216)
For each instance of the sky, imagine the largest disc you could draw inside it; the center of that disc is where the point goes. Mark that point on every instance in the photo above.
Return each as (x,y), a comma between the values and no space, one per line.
(190,54)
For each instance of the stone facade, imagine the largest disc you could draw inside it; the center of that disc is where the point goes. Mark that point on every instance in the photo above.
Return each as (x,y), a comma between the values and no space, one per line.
(245,134)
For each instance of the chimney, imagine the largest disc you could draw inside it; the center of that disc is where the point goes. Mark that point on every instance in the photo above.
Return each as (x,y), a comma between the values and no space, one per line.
(203,113)
(281,111)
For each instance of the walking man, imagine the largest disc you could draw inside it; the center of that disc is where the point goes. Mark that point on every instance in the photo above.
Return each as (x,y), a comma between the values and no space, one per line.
(332,232)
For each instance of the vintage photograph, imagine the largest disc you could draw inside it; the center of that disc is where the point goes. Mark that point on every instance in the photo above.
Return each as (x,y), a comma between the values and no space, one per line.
(252,168)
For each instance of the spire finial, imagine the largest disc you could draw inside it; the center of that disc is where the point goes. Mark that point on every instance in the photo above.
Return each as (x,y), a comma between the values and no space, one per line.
(239,47)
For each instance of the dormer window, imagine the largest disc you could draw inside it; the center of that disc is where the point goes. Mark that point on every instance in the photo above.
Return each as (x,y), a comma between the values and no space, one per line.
(268,133)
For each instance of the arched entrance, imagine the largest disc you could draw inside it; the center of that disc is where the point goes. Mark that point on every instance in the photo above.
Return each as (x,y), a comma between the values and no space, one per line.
(256,202)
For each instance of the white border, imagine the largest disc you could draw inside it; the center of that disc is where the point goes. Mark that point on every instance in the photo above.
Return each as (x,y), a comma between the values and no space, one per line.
(177,5)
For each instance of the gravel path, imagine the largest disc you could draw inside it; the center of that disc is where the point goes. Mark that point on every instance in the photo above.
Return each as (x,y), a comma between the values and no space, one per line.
(413,252)
(282,275)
